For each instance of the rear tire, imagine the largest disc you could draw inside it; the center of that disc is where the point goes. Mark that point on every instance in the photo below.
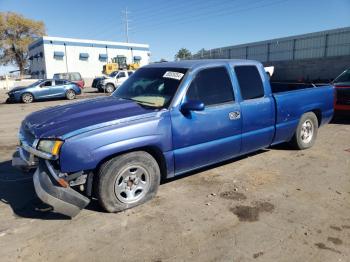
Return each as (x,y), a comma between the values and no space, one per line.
(127,181)
(70,94)
(27,98)
(306,132)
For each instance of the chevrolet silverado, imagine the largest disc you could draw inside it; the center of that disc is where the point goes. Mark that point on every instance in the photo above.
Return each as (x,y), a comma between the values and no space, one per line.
(165,120)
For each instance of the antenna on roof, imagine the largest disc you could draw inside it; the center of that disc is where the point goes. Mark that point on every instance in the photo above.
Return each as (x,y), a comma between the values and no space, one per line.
(126,21)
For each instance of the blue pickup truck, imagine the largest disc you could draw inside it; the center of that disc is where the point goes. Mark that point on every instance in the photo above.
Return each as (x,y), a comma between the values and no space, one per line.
(165,120)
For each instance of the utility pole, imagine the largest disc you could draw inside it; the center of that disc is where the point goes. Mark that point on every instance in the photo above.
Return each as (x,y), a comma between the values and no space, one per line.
(126,21)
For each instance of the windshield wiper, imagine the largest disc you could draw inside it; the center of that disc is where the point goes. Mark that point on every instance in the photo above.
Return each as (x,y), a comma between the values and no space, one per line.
(137,101)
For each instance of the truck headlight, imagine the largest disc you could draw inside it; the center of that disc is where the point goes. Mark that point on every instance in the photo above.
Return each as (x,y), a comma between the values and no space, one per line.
(50,146)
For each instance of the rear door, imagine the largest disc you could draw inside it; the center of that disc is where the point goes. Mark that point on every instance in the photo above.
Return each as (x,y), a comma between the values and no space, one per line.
(59,88)
(204,137)
(257,108)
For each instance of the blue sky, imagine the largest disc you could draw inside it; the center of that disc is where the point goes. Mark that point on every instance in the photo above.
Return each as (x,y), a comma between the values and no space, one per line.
(169,25)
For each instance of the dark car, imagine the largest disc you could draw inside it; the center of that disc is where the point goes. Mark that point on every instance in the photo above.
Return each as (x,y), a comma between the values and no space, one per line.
(44,89)
(74,77)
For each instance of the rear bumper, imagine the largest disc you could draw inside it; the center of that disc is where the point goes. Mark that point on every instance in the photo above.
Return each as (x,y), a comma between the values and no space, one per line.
(65,201)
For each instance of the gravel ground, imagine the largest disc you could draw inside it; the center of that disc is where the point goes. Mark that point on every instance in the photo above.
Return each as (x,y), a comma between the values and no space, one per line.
(275,205)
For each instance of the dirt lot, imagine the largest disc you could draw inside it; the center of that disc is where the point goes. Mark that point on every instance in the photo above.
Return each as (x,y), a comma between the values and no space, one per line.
(275,205)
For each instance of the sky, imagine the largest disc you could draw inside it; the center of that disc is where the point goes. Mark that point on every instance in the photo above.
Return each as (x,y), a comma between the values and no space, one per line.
(168,26)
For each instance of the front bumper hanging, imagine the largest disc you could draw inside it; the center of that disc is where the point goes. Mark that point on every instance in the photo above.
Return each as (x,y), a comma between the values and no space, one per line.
(64,200)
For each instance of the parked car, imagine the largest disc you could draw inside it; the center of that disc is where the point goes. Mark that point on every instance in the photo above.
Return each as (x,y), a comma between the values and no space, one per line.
(342,87)
(74,77)
(165,120)
(44,89)
(111,82)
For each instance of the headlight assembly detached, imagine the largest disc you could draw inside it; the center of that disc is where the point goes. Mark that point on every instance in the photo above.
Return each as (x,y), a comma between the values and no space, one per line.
(50,146)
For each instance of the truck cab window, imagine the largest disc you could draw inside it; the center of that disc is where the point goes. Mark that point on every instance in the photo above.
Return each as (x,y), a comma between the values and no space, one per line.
(121,74)
(249,81)
(211,86)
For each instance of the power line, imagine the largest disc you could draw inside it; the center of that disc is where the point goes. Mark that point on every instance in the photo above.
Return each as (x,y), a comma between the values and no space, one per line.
(224,12)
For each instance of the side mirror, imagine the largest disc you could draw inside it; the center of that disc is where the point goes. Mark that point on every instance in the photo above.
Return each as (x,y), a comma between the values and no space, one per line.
(192,105)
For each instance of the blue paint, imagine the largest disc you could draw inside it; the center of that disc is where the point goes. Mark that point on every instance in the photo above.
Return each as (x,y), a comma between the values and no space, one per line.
(41,92)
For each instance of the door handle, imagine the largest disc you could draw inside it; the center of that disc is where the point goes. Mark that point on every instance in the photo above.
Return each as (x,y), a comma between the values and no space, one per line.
(234,115)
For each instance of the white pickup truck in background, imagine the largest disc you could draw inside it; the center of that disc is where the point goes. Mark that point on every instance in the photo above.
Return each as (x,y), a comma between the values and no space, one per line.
(111,82)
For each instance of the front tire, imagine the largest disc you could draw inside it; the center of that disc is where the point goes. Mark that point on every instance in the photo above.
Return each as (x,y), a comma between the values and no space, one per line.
(109,88)
(306,132)
(27,98)
(127,181)
(70,94)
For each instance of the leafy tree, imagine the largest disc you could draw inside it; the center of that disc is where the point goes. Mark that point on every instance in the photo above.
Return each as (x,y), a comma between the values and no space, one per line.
(16,33)
(182,54)
(201,52)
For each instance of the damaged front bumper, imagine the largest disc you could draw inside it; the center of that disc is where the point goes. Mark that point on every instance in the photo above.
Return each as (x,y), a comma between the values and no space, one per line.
(48,182)
(64,200)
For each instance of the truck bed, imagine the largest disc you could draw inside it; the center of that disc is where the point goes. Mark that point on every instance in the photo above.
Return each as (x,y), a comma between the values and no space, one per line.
(294,100)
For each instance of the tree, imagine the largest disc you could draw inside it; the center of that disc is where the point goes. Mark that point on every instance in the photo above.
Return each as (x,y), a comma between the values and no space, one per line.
(182,54)
(16,33)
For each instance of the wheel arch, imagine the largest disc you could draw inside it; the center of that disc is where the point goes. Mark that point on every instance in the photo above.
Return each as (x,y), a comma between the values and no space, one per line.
(318,114)
(27,92)
(154,151)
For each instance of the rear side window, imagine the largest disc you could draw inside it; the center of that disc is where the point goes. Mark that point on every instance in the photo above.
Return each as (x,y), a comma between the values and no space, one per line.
(60,82)
(74,77)
(249,81)
(211,86)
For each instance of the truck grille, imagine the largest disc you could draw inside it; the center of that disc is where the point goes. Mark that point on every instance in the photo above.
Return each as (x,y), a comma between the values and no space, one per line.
(343,96)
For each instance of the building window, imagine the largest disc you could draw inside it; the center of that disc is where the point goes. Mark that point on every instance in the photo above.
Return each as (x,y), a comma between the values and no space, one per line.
(58,55)
(103,57)
(84,56)
(137,59)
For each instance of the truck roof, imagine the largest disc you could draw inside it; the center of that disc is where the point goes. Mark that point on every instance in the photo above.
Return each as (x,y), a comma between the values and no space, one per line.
(202,62)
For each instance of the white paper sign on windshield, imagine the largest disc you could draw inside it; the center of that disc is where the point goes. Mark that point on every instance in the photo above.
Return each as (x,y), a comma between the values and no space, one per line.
(173,75)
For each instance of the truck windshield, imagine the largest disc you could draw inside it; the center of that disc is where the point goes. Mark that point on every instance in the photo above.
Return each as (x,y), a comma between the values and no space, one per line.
(154,87)
(113,74)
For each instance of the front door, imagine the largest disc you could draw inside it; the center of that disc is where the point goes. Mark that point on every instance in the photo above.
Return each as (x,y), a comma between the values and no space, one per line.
(204,137)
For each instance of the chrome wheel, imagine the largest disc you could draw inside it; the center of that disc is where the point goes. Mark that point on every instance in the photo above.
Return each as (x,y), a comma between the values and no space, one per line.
(27,98)
(132,184)
(70,94)
(109,89)
(307,131)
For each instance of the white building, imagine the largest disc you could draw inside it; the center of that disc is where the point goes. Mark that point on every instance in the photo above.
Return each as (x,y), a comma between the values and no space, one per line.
(49,55)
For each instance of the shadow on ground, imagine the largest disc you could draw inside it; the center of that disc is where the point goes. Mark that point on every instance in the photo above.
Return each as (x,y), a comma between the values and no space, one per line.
(341,119)
(17,191)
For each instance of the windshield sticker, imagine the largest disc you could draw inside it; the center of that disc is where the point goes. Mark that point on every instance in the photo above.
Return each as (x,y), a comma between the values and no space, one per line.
(173,75)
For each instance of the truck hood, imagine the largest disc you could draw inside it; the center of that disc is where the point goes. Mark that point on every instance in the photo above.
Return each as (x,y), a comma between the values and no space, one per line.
(60,120)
